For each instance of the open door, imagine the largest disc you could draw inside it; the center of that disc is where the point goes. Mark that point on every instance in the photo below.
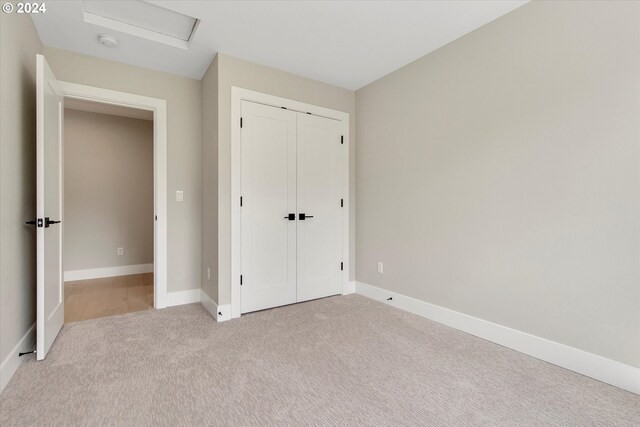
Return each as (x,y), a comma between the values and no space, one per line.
(49,208)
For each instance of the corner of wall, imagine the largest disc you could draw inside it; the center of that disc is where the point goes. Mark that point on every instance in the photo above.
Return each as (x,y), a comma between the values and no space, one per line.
(209,125)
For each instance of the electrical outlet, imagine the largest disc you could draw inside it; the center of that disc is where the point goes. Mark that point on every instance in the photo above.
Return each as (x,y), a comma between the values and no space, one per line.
(208,273)
(380,267)
(120,251)
(179,196)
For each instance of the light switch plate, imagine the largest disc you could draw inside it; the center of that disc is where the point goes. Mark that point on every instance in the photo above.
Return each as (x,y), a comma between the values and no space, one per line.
(380,267)
(120,251)
(179,196)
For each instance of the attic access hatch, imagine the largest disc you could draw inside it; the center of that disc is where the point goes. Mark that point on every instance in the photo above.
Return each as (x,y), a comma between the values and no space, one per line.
(142,19)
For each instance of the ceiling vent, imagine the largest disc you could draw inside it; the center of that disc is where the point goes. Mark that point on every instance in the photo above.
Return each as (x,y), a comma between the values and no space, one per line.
(142,19)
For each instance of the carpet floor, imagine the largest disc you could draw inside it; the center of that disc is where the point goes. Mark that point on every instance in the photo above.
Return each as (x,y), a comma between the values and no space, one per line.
(336,361)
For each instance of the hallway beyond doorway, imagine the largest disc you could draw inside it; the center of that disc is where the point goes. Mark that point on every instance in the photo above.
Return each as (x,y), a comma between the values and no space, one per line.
(91,299)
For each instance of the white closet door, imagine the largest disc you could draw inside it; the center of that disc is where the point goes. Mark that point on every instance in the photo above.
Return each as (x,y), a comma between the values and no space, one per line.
(319,193)
(268,196)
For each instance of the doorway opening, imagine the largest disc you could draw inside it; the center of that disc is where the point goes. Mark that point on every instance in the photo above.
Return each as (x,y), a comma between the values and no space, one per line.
(50,222)
(108,237)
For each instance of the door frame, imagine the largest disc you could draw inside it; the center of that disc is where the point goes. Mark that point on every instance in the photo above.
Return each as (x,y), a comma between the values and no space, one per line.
(159,109)
(237,96)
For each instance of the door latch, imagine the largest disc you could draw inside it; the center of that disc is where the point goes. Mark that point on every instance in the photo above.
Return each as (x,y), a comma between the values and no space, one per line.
(291,217)
(304,216)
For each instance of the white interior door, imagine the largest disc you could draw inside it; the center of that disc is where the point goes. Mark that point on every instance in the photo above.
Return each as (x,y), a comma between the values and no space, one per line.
(319,236)
(268,197)
(50,283)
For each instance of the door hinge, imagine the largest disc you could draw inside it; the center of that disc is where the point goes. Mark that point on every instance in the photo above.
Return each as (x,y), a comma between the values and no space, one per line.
(241,280)
(241,122)
(240,201)
(342,203)
(341,266)
(341,139)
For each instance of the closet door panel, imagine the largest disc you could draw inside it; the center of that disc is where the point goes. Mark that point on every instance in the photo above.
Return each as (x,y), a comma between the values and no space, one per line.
(319,192)
(268,196)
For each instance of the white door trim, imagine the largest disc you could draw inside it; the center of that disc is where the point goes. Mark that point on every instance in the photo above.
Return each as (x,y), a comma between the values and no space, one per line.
(237,96)
(159,109)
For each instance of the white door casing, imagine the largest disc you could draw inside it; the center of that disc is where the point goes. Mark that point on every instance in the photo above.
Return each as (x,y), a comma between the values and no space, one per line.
(49,207)
(319,236)
(159,109)
(238,95)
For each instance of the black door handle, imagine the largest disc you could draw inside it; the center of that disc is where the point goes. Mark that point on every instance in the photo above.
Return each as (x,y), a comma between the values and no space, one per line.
(36,222)
(291,217)
(48,222)
(304,216)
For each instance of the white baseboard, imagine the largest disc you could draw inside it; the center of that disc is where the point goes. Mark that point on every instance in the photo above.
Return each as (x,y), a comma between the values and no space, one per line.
(219,312)
(183,297)
(12,362)
(208,303)
(224,313)
(97,273)
(350,288)
(606,370)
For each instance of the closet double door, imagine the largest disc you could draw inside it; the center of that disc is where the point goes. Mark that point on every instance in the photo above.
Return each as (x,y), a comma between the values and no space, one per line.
(291,207)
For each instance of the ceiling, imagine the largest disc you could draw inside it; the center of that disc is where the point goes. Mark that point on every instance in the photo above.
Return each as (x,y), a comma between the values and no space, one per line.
(103,108)
(345,43)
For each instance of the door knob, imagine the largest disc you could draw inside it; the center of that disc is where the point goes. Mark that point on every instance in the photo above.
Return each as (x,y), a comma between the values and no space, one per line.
(304,216)
(291,217)
(36,222)
(48,222)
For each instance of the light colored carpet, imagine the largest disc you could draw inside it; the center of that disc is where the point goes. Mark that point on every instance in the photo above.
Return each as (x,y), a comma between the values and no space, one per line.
(337,361)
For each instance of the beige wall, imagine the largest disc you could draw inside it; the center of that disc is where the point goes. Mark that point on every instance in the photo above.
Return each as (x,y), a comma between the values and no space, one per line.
(247,75)
(499,176)
(183,144)
(108,190)
(210,181)
(19,44)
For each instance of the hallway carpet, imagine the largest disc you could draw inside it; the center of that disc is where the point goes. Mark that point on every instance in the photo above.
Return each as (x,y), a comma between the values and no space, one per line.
(337,361)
